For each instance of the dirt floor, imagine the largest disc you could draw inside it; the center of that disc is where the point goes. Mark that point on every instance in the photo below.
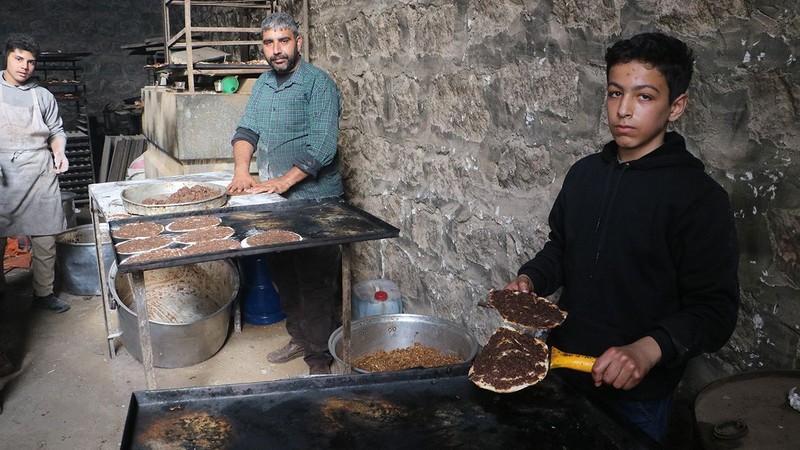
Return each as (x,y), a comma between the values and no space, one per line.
(68,393)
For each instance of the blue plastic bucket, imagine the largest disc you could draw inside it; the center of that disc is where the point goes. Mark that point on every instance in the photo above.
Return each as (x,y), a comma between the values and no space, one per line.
(261,304)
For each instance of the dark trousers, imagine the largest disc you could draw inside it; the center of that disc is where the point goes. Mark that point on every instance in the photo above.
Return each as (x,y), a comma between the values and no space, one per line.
(309,283)
(651,416)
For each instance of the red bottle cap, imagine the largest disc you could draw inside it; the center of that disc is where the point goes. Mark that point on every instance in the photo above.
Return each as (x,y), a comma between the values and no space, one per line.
(381,296)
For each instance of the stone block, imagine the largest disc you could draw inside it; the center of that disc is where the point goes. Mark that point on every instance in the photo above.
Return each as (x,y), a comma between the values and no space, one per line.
(190,127)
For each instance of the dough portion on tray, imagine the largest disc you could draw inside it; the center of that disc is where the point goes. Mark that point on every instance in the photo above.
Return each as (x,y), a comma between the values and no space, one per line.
(192,223)
(271,237)
(154,255)
(205,234)
(140,245)
(137,230)
(214,246)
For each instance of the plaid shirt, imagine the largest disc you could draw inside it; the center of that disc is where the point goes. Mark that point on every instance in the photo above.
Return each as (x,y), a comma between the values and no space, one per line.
(297,125)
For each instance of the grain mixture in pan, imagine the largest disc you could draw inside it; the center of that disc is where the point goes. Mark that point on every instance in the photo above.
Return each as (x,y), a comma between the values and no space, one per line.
(417,355)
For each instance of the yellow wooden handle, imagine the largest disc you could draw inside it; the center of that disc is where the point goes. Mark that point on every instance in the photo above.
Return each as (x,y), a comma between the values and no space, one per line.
(581,363)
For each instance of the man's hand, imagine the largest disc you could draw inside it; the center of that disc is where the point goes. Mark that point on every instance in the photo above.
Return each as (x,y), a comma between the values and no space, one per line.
(280,184)
(242,180)
(625,367)
(60,162)
(271,186)
(522,283)
(241,183)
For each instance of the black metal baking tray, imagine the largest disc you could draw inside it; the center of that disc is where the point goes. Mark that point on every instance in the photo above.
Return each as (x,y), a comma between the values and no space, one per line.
(328,221)
(414,409)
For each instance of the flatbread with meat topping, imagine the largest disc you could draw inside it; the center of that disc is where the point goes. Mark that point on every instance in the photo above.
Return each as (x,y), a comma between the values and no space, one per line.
(511,360)
(526,310)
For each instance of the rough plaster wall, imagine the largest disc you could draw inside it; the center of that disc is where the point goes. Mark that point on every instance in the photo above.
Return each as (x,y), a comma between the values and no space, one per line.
(462,117)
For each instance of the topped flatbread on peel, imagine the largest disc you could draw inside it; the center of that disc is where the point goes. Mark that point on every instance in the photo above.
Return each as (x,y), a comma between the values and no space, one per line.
(510,361)
(526,310)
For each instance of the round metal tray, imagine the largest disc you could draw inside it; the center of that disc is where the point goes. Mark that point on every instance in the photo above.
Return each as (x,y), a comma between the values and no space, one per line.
(134,196)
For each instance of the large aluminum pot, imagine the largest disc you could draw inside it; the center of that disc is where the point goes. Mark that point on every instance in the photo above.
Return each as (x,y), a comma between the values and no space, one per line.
(394,331)
(188,307)
(76,257)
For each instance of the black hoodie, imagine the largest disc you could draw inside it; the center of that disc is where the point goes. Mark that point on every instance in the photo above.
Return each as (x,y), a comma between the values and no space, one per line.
(643,248)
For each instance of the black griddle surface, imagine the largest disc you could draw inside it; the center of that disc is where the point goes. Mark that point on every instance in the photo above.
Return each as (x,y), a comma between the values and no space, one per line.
(414,409)
(327,221)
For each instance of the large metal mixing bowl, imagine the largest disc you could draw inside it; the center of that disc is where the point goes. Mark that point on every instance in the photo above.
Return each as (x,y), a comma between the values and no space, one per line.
(394,331)
(133,197)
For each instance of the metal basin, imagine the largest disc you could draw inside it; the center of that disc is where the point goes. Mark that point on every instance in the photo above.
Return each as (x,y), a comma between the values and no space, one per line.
(133,198)
(76,257)
(68,204)
(394,331)
(188,308)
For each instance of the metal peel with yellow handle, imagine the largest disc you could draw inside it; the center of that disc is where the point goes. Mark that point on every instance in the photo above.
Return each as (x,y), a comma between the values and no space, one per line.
(564,360)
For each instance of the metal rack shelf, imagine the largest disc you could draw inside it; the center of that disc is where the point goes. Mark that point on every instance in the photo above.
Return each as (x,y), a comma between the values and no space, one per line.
(183,39)
(70,94)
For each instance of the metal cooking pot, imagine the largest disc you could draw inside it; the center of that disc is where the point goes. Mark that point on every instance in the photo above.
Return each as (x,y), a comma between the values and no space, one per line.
(76,257)
(188,307)
(68,204)
(395,331)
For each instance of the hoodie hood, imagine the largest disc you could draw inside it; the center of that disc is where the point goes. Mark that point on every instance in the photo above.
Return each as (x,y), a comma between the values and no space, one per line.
(25,87)
(672,153)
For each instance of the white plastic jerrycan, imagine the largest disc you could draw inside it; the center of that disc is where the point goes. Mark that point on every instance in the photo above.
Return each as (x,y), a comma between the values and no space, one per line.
(374,297)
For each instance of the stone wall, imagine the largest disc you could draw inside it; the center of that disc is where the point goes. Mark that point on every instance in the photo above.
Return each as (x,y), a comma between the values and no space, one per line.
(101,28)
(462,117)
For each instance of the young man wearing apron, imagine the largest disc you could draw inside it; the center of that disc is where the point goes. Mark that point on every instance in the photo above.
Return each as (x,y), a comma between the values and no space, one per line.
(32,144)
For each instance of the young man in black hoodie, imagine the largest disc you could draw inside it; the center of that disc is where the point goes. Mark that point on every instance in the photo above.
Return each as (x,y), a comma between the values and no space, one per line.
(642,241)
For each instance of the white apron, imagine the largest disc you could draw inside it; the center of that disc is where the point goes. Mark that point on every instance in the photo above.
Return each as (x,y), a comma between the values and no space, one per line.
(30,198)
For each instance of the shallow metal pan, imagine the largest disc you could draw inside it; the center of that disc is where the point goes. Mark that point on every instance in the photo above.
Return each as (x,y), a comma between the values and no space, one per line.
(133,198)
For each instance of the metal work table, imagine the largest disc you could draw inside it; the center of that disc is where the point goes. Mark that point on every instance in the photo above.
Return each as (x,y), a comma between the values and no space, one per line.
(324,222)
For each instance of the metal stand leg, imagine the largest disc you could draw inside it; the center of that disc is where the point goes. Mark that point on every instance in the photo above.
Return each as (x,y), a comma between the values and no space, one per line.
(346,314)
(101,270)
(140,296)
(237,315)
